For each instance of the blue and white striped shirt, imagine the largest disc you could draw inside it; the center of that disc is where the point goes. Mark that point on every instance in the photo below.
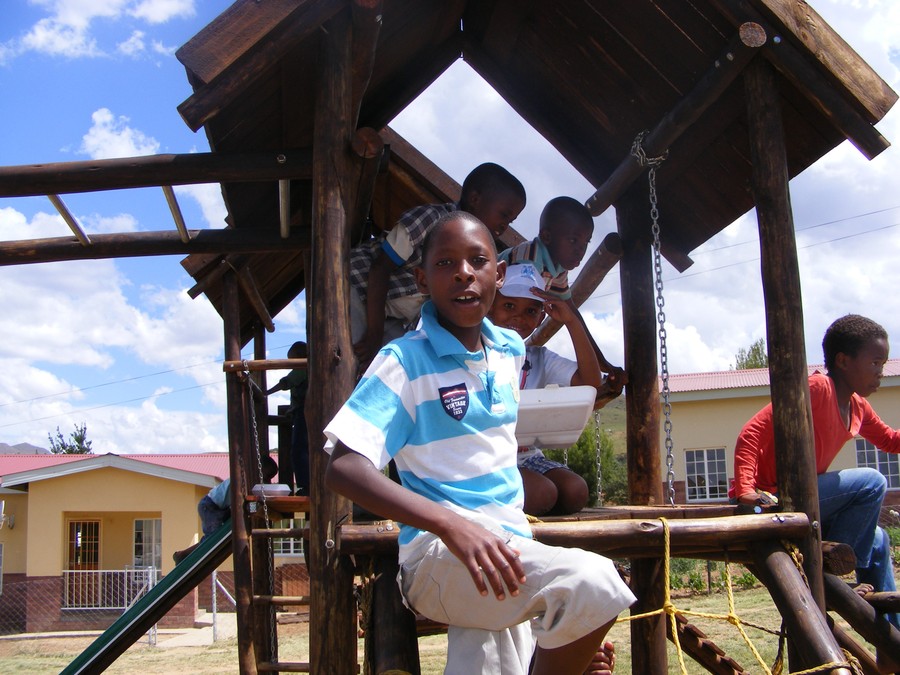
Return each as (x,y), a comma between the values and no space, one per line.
(447,416)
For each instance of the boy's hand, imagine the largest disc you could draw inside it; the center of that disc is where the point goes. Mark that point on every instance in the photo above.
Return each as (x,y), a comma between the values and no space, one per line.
(556,309)
(489,560)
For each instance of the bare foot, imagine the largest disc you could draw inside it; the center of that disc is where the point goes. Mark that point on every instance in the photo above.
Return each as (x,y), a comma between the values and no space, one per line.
(604,661)
(862,589)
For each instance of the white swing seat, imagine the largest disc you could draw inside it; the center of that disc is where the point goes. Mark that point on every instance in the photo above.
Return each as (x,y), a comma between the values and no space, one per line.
(554,417)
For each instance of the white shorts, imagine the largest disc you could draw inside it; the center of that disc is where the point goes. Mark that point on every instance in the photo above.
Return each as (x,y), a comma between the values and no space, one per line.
(568,593)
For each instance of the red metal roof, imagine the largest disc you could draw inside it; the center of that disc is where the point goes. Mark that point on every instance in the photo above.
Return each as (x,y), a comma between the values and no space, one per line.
(207,463)
(743,379)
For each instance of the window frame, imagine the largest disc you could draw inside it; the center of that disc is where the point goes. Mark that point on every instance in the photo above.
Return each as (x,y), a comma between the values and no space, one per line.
(717,459)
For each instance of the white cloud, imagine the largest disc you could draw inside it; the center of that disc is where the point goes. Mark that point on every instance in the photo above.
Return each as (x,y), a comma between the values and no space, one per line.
(133,46)
(98,224)
(160,11)
(49,36)
(111,136)
(209,197)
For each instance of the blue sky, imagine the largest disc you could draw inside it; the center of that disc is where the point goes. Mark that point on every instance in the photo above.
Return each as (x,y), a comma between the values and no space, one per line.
(119,346)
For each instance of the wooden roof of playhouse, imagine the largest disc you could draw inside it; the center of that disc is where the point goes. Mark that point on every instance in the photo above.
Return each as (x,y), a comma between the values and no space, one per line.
(589,75)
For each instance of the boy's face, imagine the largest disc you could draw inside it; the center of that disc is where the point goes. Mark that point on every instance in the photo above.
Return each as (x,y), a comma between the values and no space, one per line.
(862,372)
(567,239)
(522,315)
(496,209)
(461,274)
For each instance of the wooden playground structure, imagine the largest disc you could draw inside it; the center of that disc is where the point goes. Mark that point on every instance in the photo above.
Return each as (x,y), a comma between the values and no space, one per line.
(719,102)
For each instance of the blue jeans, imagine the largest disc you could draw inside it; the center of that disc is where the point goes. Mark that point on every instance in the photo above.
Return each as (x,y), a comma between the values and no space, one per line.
(849,505)
(211,516)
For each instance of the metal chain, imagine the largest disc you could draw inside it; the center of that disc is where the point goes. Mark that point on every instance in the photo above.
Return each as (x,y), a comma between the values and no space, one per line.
(599,465)
(638,152)
(273,639)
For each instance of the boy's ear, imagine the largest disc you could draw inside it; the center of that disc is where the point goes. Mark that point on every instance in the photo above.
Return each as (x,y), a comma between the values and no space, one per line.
(501,273)
(544,236)
(473,198)
(840,360)
(421,281)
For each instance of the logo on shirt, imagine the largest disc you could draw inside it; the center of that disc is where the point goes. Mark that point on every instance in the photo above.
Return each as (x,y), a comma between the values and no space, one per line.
(455,400)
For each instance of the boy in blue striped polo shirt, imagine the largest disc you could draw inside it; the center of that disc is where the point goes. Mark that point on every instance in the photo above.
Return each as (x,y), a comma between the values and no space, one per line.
(442,402)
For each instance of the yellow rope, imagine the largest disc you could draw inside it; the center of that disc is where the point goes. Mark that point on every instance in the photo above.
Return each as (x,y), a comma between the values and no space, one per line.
(669,609)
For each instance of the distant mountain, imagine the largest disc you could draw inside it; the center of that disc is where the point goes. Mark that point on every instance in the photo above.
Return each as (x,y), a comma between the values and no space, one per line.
(22,449)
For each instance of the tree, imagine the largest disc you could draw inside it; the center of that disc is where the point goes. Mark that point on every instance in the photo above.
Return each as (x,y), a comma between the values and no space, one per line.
(77,443)
(755,357)
(582,459)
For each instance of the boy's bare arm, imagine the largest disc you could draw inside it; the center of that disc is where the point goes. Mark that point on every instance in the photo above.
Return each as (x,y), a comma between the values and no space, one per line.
(484,554)
(588,371)
(616,378)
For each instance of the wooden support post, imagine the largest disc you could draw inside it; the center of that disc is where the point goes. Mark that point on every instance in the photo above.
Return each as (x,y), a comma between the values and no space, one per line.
(391,634)
(860,653)
(332,365)
(238,442)
(792,415)
(808,630)
(874,628)
(594,270)
(648,636)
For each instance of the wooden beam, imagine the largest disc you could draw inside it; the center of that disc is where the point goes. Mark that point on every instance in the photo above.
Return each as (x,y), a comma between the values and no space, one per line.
(736,55)
(864,656)
(821,41)
(368,151)
(208,100)
(593,271)
(332,365)
(284,208)
(807,627)
(873,628)
(32,180)
(251,291)
(605,536)
(139,244)
(366,27)
(808,78)
(792,416)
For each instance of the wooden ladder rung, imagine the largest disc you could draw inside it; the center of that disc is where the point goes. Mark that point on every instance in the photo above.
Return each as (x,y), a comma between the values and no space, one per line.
(283,666)
(293,600)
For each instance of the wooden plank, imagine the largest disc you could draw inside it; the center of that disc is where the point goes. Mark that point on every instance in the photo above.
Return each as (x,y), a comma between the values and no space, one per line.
(847,67)
(152,171)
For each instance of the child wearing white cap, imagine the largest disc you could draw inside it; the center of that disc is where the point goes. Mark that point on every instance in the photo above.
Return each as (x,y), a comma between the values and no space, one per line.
(520,305)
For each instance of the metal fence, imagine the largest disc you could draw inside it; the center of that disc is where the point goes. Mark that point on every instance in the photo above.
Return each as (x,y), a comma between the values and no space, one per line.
(112,590)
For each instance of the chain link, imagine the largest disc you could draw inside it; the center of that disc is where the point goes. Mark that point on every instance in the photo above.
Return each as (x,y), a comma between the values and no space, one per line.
(599,464)
(638,152)
(273,638)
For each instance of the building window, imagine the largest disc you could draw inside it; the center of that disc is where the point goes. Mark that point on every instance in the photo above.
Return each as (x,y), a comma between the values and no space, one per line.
(706,478)
(148,543)
(292,546)
(867,455)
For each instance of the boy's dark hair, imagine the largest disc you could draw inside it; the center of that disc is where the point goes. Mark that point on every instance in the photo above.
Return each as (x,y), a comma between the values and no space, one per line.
(488,179)
(443,220)
(297,350)
(559,207)
(848,335)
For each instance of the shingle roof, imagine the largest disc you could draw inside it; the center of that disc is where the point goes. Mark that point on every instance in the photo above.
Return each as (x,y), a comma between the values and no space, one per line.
(743,379)
(213,464)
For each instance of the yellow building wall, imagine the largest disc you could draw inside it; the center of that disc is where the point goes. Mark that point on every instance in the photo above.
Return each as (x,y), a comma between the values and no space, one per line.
(115,497)
(14,538)
(716,423)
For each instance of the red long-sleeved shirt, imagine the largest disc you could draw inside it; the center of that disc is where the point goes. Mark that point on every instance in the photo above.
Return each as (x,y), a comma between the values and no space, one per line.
(754,452)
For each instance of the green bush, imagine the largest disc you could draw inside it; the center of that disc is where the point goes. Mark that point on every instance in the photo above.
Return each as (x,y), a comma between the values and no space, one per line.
(582,459)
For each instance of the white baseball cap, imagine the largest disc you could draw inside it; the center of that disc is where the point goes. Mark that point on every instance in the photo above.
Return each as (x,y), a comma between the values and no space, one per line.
(520,279)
